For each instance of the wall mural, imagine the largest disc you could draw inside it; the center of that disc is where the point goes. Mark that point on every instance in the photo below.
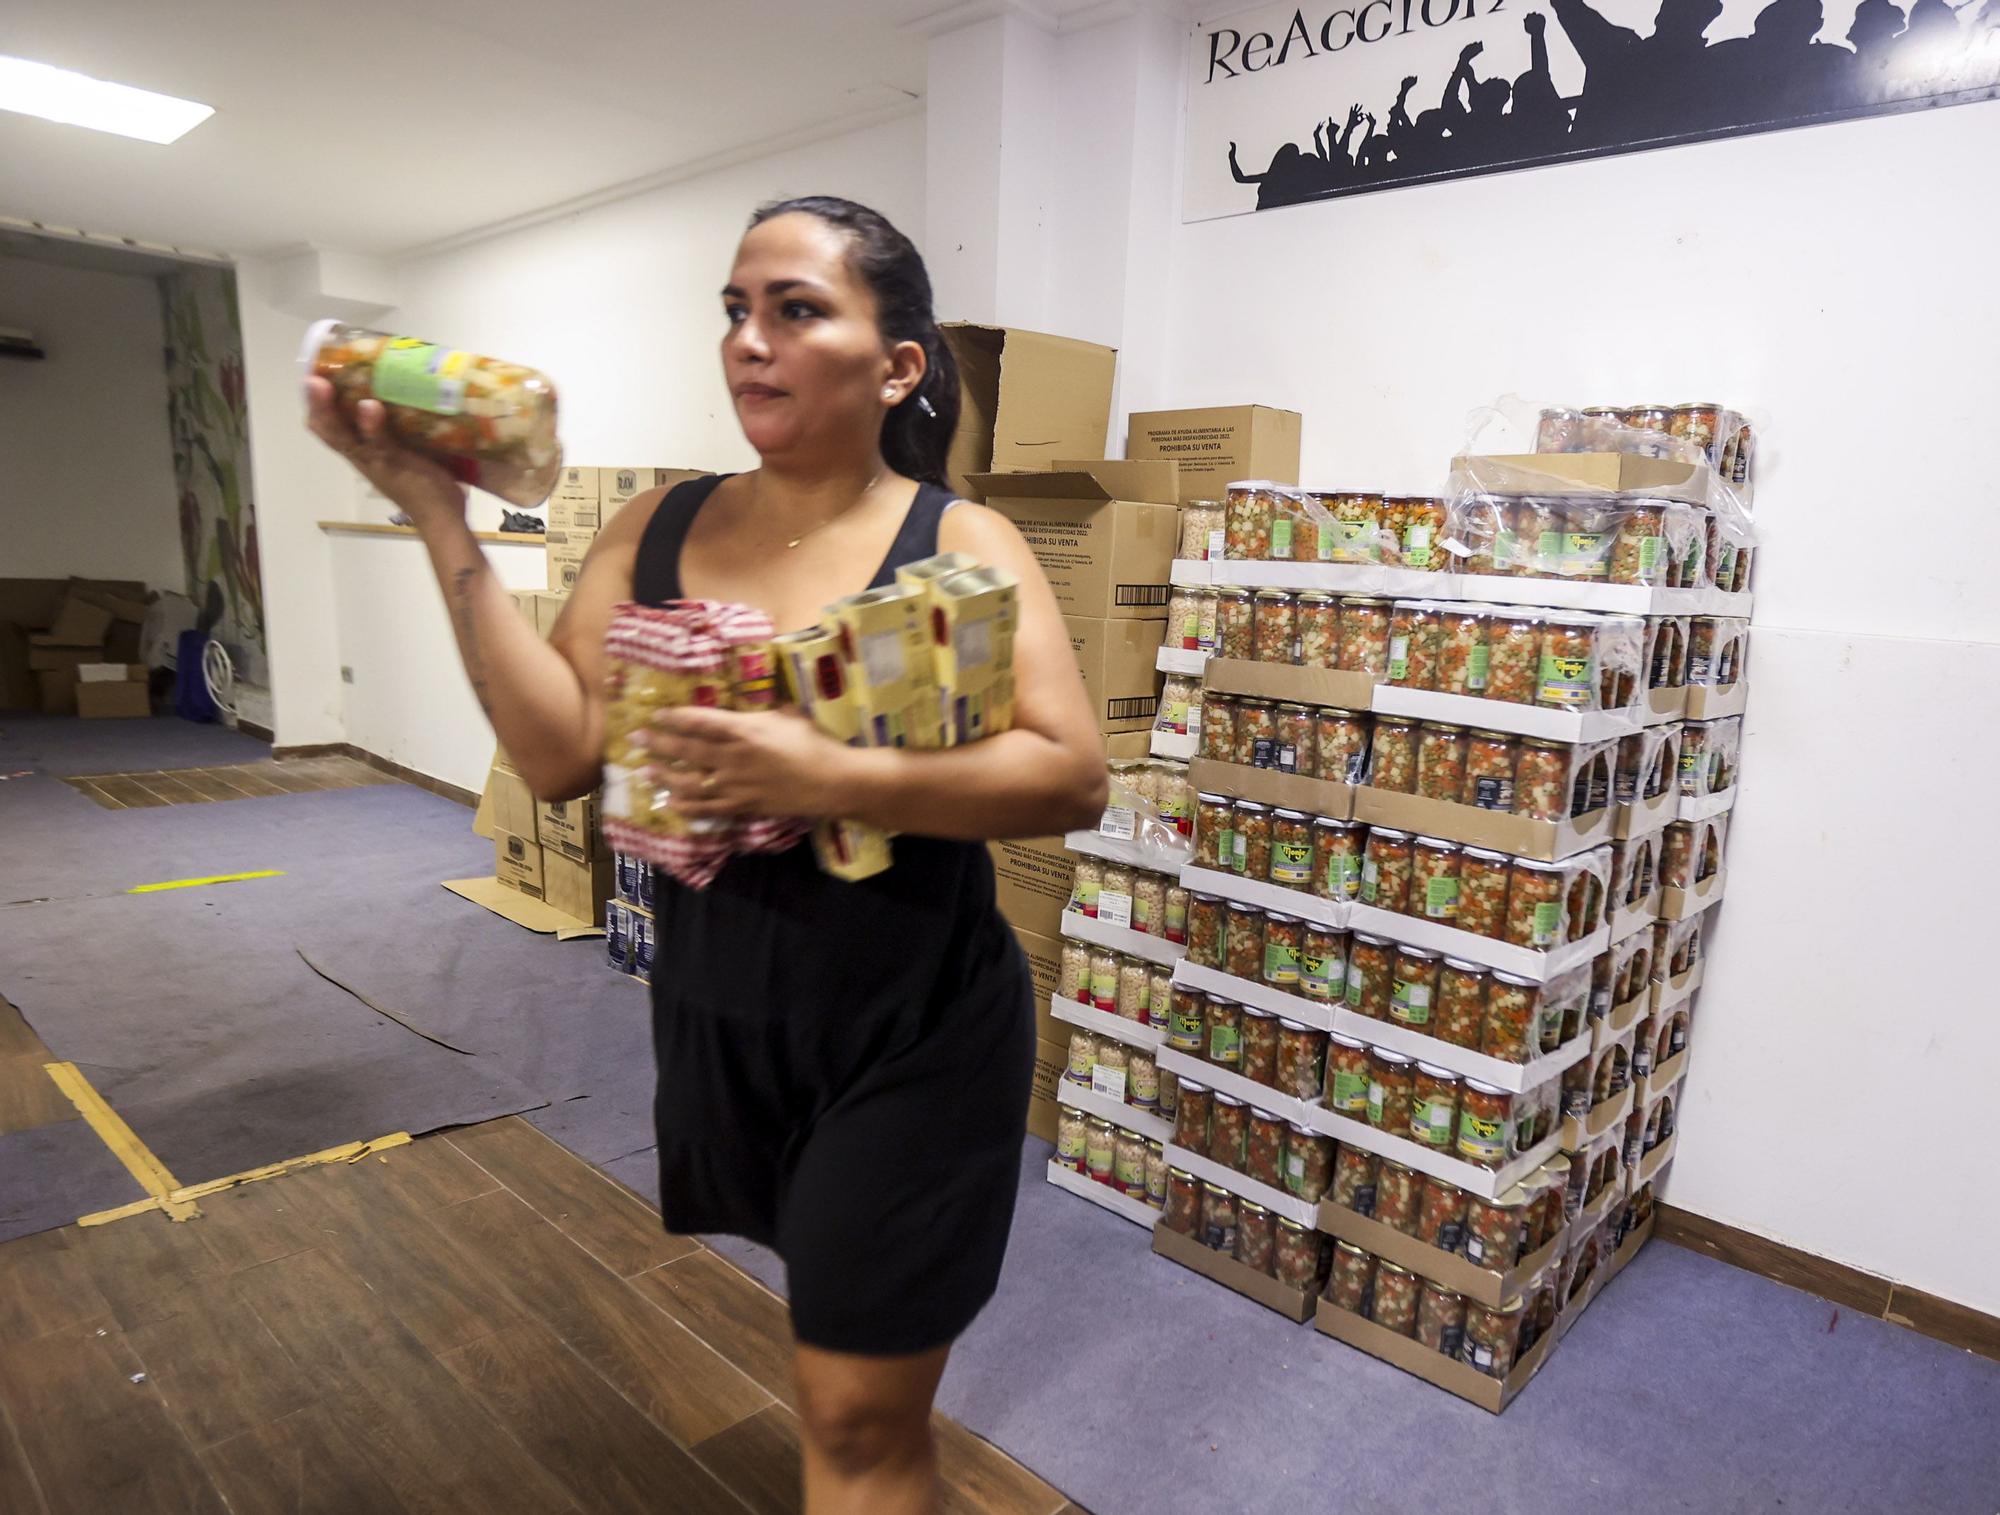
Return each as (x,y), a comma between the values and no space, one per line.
(1287,104)
(210,429)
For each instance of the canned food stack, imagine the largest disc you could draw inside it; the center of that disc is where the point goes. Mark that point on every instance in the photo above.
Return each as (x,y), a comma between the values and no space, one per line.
(628,918)
(1123,930)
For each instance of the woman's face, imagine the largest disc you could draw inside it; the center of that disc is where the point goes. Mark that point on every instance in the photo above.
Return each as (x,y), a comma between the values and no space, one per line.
(803,356)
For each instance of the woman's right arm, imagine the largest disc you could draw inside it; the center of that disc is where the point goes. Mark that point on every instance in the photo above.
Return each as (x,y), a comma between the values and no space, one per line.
(545,699)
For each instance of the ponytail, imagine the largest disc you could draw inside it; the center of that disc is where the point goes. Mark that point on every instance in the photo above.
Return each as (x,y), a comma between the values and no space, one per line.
(917,433)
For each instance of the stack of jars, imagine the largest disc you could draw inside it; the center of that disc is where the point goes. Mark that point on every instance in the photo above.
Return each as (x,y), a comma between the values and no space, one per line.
(1349,633)
(1151,903)
(1315,855)
(1720,436)
(1454,1115)
(1494,1234)
(1285,524)
(1274,1246)
(1556,659)
(1509,899)
(1313,741)
(1709,751)
(1691,851)
(1716,648)
(1646,543)
(1256,1143)
(1135,1070)
(1160,784)
(1283,1055)
(1112,1155)
(1488,1338)
(1490,770)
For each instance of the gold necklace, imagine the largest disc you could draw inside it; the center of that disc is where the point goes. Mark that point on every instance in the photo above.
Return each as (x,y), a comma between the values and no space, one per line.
(838,513)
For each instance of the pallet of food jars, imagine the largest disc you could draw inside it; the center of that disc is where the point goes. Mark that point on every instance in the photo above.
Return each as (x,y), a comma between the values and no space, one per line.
(1103,1157)
(1134,911)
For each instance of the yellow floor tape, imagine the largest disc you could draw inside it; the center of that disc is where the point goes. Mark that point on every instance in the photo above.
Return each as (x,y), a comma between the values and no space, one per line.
(214,878)
(111,1129)
(350,1152)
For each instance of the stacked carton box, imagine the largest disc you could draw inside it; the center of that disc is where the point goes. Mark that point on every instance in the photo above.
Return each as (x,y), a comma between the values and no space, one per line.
(583,503)
(55,629)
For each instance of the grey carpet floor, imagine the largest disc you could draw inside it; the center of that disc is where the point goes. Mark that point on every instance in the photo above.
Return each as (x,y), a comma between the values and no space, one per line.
(66,745)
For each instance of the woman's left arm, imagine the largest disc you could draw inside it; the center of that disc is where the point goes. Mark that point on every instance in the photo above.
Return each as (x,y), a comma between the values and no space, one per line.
(1045,775)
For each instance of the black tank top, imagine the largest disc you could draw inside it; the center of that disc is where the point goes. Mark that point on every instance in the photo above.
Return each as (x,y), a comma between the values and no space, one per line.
(773,935)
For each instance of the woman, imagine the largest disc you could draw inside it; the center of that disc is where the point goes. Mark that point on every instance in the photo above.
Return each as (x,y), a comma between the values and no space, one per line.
(844,1068)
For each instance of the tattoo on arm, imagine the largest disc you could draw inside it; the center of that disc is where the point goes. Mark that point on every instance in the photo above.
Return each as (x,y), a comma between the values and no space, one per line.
(468,634)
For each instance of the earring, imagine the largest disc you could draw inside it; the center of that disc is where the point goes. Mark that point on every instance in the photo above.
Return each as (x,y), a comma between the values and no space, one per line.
(889,394)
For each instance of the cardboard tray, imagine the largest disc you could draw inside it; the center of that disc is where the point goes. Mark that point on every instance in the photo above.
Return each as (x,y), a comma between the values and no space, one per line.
(1606,1029)
(1299,686)
(1513,1077)
(1579,1131)
(1589,474)
(1083,1097)
(1544,841)
(1188,661)
(1664,705)
(1154,949)
(1484,1285)
(1337,578)
(1702,807)
(1412,1356)
(1634,917)
(1293,1007)
(1120,850)
(1608,1268)
(1661,1079)
(1485,1182)
(1236,1086)
(1705,702)
(1277,1201)
(1104,1023)
(1637,818)
(1331,914)
(1679,904)
(532,914)
(1667,993)
(1267,786)
(1537,963)
(1294,1304)
(1178,748)
(1085,1187)
(1505,715)
(1650,1164)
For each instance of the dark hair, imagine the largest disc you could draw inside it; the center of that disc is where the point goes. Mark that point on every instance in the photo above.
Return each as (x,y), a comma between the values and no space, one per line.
(916,435)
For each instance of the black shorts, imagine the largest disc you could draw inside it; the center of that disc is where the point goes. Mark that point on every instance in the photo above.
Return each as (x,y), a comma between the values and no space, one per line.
(876,1148)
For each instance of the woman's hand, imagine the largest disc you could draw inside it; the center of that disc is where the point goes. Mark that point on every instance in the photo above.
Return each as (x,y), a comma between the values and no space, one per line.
(422,487)
(774,763)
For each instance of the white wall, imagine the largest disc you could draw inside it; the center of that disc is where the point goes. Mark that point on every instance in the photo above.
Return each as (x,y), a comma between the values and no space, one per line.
(86,462)
(1810,276)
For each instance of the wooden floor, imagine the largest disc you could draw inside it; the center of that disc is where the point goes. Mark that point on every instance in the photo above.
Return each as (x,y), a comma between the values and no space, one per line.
(191,786)
(478,1322)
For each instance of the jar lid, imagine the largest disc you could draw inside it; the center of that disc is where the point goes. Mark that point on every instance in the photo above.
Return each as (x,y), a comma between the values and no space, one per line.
(1348,1246)
(1289,815)
(1492,736)
(1389,834)
(1250,703)
(1155,1145)
(1281,918)
(1219,1001)
(1393,720)
(1556,1167)
(1385,1266)
(1432,1286)
(1314,597)
(1432,1070)
(1189,1086)
(1463,966)
(1098,1120)
(1286,705)
(1262,1015)
(1361,599)
(1486,854)
(1229,1099)
(1286,1223)
(1422,954)
(1334,822)
(1211,799)
(1250,805)
(1478,1088)
(1439,843)
(1207,899)
(1272,594)
(1538,867)
(1542,741)
(1266,1115)
(1340,1039)
(1363,938)
(1232,592)
(1250,1207)
(1442,726)
(1214,1188)
(1180,1173)
(1398,1060)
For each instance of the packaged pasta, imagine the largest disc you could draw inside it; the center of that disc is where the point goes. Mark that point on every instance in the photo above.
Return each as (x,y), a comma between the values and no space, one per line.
(491,423)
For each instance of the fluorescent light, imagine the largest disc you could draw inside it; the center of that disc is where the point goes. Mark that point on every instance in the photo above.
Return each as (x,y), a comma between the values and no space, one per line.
(56,94)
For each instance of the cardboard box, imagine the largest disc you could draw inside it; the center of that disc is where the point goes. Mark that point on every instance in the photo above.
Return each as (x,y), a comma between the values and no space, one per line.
(579,889)
(1293,1304)
(569,827)
(18,687)
(548,606)
(1267,786)
(1051,1060)
(517,863)
(1025,399)
(1219,445)
(124,642)
(1485,1285)
(58,690)
(566,552)
(572,503)
(1032,879)
(45,657)
(1586,473)
(126,599)
(110,673)
(1116,659)
(78,623)
(618,487)
(1449,1374)
(1298,686)
(1705,703)
(1104,533)
(126,699)
(1044,954)
(513,803)
(1545,841)
(1128,745)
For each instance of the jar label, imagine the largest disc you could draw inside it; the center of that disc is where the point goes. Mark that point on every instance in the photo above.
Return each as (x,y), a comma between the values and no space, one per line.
(1281,963)
(1399,659)
(1480,1139)
(1216,539)
(1159,998)
(1295,1171)
(1652,550)
(1114,909)
(1343,875)
(1548,923)
(1478,664)
(1506,545)
(1118,823)
(1281,538)
(1109,1082)
(1321,976)
(1176,919)
(1190,629)
(1410,1003)
(1371,875)
(1376,1094)
(421,375)
(1184,1031)
(1239,850)
(1565,680)
(1347,542)
(1354,978)
(1441,898)
(1104,988)
(1142,915)
(1417,546)
(1225,1046)
(1431,1122)
(1364,1200)
(1351,1091)
(1291,863)
(1451,1340)
(1069,1145)
(1087,892)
